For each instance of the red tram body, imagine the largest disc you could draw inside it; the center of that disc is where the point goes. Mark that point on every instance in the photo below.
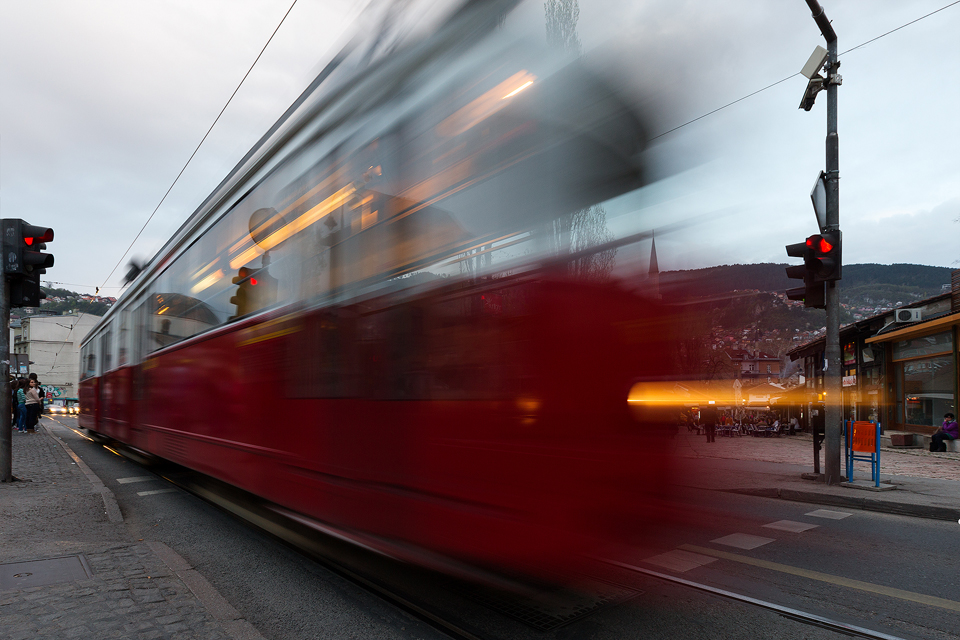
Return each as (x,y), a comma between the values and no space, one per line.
(469,413)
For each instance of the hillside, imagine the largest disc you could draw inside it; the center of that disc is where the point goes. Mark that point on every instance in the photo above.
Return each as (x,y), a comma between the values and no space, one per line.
(874,286)
(742,306)
(64,301)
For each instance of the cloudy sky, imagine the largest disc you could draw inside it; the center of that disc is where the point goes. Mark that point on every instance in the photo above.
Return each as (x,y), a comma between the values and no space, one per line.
(103,101)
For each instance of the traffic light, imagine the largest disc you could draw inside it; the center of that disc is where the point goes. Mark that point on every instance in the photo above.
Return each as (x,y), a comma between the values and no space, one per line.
(256,289)
(812,292)
(25,291)
(23,246)
(241,299)
(826,254)
(24,260)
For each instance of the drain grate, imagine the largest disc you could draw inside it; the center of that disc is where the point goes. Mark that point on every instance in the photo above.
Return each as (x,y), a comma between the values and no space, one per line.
(39,573)
(554,609)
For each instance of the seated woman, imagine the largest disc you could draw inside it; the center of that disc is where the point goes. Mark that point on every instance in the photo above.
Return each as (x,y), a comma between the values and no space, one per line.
(947,431)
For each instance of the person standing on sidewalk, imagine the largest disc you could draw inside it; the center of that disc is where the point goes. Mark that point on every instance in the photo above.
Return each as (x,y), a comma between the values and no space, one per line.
(33,405)
(22,406)
(947,431)
(40,392)
(709,417)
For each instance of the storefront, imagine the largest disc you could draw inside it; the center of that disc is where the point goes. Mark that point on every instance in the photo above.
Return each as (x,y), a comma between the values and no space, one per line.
(923,368)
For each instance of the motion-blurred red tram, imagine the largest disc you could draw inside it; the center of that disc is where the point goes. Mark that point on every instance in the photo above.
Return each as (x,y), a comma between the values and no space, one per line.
(373,324)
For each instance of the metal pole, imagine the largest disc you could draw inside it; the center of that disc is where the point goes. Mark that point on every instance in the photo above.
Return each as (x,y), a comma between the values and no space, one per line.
(832,383)
(6,437)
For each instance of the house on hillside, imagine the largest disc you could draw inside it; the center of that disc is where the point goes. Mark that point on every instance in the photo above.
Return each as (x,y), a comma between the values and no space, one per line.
(754,365)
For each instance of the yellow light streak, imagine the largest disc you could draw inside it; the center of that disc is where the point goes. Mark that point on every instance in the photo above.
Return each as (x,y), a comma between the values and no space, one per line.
(518,89)
(206,267)
(307,218)
(481,108)
(207,282)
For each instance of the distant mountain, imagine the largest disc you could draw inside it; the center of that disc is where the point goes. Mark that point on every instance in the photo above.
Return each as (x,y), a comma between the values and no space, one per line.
(863,285)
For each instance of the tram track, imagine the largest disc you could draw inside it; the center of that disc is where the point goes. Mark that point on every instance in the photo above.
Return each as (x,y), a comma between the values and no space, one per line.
(325,549)
(802,617)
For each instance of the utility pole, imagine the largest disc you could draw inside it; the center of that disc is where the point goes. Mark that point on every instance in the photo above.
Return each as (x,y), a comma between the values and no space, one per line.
(6,436)
(833,406)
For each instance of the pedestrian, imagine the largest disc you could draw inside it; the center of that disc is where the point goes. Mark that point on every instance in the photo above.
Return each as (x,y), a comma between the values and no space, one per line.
(14,387)
(21,405)
(709,417)
(32,405)
(40,392)
(947,431)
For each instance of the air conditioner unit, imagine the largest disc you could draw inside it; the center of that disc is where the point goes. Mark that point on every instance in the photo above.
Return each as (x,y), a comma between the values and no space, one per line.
(908,315)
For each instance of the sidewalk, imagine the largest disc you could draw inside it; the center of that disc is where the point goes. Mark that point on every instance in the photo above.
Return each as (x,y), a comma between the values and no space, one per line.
(68,568)
(926,484)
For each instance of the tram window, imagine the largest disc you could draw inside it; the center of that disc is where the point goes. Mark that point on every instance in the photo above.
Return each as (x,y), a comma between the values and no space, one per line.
(123,338)
(106,348)
(175,312)
(90,369)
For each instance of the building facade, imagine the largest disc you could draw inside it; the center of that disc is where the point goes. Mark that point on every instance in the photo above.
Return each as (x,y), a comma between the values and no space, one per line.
(50,347)
(899,368)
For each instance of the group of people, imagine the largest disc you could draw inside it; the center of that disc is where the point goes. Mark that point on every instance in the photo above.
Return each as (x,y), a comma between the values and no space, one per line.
(27,402)
(710,419)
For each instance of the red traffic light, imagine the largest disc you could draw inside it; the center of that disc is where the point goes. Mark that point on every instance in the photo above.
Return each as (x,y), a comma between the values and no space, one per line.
(825,247)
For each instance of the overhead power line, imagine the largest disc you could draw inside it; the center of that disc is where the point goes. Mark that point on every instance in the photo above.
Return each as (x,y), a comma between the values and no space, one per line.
(217,119)
(770,86)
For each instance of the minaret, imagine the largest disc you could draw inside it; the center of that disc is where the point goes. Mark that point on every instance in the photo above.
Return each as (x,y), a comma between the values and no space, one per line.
(653,275)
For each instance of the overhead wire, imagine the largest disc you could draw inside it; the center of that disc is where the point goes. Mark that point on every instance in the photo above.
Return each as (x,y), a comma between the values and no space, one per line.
(792,75)
(187,163)
(139,233)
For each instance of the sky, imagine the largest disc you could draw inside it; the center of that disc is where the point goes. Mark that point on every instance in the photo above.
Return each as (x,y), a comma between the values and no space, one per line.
(102,102)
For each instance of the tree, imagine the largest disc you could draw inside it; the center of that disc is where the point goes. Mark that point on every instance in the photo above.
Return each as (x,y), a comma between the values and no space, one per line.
(585,228)
(562,17)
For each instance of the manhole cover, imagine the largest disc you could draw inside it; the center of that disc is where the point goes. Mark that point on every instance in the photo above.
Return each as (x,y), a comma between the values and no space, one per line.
(38,573)
(553,610)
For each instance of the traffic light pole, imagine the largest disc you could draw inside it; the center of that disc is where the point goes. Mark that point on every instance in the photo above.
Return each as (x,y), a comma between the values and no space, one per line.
(6,436)
(832,379)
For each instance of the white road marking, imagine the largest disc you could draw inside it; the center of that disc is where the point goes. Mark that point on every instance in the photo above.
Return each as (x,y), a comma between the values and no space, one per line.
(135,479)
(790,525)
(826,513)
(150,493)
(679,560)
(743,541)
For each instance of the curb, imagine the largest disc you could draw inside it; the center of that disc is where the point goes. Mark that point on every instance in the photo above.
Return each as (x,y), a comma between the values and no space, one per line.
(109,500)
(853,502)
(215,604)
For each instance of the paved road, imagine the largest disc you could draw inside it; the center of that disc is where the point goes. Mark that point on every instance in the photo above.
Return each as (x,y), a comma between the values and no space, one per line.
(875,570)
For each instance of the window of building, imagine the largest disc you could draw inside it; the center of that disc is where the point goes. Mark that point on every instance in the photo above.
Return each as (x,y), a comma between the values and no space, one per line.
(925,379)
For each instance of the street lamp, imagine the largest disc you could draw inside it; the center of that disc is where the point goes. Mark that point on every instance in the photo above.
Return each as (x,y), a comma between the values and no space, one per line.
(829,223)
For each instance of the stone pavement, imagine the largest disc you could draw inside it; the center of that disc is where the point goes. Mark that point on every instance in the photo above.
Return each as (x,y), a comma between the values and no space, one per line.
(60,526)
(926,484)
